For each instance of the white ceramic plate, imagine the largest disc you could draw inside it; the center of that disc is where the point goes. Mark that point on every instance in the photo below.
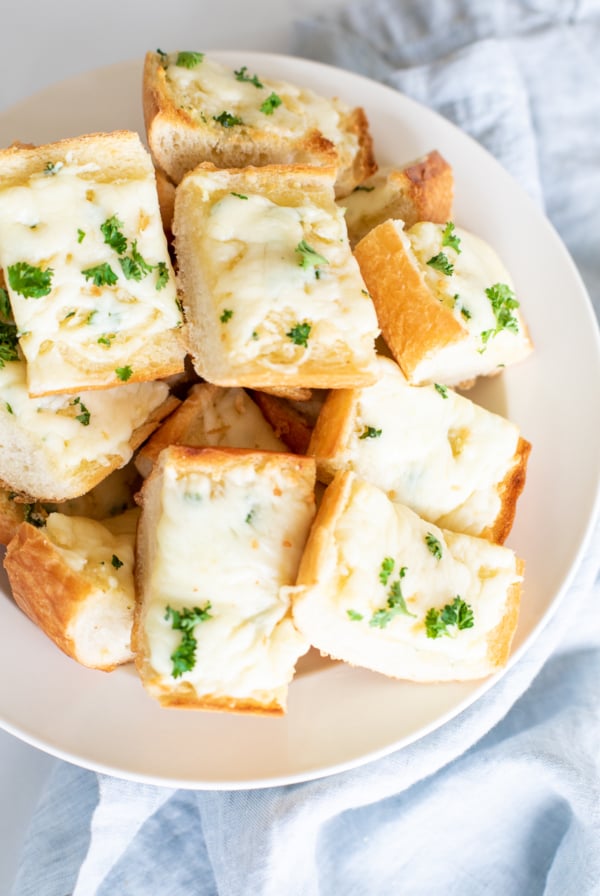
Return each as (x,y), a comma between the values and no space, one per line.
(338,717)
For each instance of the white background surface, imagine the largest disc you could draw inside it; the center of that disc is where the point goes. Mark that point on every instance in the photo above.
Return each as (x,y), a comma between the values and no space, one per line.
(42,45)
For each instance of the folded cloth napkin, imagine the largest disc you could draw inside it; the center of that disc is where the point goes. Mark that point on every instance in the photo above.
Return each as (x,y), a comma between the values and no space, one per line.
(505,798)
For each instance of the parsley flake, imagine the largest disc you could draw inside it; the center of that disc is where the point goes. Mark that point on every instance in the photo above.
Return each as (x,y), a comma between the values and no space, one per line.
(187,59)
(370,432)
(503,302)
(440,262)
(101,274)
(84,416)
(270,104)
(434,545)
(362,189)
(135,267)
(53,168)
(29,281)
(356,617)
(443,390)
(227,120)
(241,75)
(116,562)
(5,309)
(455,616)
(80,235)
(8,343)
(396,604)
(450,238)
(387,568)
(185,621)
(309,257)
(227,315)
(124,373)
(299,334)
(163,275)
(113,234)
(239,195)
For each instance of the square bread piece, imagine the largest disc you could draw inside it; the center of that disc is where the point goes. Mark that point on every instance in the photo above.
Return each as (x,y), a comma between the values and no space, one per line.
(219,543)
(211,416)
(198,110)
(381,588)
(451,461)
(87,267)
(271,292)
(74,579)
(445,302)
(58,447)
(422,190)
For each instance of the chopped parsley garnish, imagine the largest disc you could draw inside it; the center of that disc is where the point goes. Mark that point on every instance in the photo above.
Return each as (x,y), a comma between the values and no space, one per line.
(270,104)
(124,373)
(241,75)
(455,616)
(135,266)
(466,313)
(361,189)
(106,339)
(239,195)
(101,274)
(112,231)
(449,237)
(434,545)
(84,416)
(187,59)
(163,275)
(8,407)
(309,257)
(34,517)
(387,568)
(185,621)
(356,617)
(8,343)
(441,263)
(396,605)
(369,432)
(503,301)
(29,281)
(299,334)
(250,515)
(443,390)
(53,168)
(5,309)
(227,315)
(80,235)
(227,120)
(116,562)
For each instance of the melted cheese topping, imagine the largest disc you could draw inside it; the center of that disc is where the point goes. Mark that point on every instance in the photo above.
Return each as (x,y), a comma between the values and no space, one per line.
(365,206)
(51,423)
(235,542)
(370,529)
(475,268)
(248,251)
(442,456)
(101,628)
(80,329)
(209,89)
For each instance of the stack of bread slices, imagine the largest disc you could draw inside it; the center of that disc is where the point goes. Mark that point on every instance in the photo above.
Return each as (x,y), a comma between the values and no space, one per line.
(230,429)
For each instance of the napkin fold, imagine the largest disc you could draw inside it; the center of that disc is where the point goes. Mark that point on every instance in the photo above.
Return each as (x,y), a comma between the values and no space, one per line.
(505,798)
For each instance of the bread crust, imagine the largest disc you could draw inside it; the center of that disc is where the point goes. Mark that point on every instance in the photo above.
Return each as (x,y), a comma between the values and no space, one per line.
(288,423)
(316,568)
(422,190)
(215,462)
(47,590)
(413,322)
(117,157)
(179,143)
(287,186)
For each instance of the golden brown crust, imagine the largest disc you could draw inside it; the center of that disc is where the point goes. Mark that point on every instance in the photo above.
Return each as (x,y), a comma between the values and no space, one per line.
(45,588)
(500,639)
(322,533)
(179,142)
(286,185)
(413,322)
(288,423)
(12,514)
(332,431)
(186,698)
(509,491)
(422,190)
